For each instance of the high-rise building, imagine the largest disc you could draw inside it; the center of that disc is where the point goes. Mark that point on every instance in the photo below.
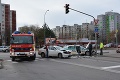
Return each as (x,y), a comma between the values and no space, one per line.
(12,21)
(108,23)
(67,32)
(0,21)
(8,23)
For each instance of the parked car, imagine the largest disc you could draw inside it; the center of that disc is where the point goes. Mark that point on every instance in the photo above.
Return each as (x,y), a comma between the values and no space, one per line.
(54,51)
(118,49)
(72,48)
(4,48)
(108,45)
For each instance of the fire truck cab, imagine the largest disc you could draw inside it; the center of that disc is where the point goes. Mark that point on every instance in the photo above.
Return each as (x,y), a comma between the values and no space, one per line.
(22,45)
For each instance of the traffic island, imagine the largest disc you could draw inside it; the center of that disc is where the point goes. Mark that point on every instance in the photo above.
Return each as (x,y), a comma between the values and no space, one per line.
(1,63)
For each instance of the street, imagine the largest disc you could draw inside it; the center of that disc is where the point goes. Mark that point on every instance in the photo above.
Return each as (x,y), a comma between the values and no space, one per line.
(84,68)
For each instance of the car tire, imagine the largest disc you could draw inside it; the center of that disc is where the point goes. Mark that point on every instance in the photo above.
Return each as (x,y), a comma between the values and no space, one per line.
(87,53)
(43,55)
(6,50)
(60,55)
(94,53)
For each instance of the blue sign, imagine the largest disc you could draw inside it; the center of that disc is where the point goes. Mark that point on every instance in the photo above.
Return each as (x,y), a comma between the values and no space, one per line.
(96,29)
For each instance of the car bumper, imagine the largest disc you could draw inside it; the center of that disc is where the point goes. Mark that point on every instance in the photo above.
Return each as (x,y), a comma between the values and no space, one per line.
(67,55)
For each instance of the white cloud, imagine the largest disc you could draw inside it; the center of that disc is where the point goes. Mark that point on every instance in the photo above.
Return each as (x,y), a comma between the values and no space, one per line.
(32,11)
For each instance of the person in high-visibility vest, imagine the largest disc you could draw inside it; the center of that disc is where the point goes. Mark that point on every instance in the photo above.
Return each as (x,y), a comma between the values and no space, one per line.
(101,48)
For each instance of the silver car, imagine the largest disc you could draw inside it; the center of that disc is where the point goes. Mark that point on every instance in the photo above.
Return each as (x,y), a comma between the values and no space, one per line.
(4,48)
(54,51)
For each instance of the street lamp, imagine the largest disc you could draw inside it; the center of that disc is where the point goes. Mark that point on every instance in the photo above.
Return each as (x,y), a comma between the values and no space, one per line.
(45,27)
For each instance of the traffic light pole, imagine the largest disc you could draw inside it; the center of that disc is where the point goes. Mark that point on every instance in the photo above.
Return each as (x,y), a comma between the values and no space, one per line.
(94,25)
(96,42)
(82,13)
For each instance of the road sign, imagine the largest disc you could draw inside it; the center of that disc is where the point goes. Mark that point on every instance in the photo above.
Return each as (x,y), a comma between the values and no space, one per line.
(96,29)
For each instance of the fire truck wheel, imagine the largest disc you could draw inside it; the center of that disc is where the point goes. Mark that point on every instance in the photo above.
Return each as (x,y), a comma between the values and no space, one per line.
(43,55)
(13,58)
(33,57)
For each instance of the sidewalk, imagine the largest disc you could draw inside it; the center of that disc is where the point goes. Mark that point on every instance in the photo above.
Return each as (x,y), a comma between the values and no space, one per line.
(110,53)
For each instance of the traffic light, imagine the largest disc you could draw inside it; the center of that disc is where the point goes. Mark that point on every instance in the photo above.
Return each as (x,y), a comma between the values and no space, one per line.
(97,34)
(66,8)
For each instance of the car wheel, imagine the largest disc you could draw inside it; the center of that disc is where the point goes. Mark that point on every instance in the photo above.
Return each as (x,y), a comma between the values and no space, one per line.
(43,55)
(60,55)
(87,53)
(6,50)
(116,51)
(94,53)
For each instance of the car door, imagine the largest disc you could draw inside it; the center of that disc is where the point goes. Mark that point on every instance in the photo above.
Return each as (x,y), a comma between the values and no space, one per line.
(56,51)
(82,50)
(51,51)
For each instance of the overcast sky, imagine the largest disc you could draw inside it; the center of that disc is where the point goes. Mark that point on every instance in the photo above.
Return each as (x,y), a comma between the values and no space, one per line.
(31,12)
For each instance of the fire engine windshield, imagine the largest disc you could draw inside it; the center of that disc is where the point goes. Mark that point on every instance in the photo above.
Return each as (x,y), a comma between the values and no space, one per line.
(21,40)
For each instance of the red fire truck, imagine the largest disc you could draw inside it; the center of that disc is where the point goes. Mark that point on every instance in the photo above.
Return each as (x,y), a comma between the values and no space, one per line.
(22,45)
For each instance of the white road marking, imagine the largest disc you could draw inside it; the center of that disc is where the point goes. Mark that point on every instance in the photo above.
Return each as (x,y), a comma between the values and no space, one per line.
(8,60)
(14,62)
(110,67)
(87,66)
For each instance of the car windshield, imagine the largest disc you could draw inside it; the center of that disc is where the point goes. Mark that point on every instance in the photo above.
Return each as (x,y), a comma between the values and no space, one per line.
(21,40)
(83,48)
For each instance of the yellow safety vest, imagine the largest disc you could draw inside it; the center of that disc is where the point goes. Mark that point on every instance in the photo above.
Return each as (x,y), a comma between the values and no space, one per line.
(101,45)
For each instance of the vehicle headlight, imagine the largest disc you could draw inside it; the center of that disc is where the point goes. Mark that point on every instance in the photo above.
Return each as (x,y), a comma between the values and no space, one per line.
(13,50)
(30,49)
(31,53)
(12,53)
(66,52)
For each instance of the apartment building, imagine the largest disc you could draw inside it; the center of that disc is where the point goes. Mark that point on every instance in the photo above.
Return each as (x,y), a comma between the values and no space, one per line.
(108,23)
(75,32)
(12,21)
(8,23)
(72,32)
(0,20)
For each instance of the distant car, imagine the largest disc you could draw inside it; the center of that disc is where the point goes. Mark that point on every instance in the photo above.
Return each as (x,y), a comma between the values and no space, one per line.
(118,49)
(54,51)
(108,45)
(4,48)
(84,51)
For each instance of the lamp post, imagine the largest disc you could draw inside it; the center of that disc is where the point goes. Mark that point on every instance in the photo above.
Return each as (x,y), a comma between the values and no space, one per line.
(45,28)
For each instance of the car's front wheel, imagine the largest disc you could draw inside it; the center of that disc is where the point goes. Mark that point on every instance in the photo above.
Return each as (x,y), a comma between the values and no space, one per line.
(94,53)
(6,50)
(60,55)
(87,53)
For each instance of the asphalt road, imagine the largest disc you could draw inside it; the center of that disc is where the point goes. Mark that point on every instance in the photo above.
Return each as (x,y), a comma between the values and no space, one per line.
(84,68)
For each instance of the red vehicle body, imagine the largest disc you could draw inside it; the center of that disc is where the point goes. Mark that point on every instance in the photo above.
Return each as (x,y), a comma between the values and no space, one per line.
(22,45)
